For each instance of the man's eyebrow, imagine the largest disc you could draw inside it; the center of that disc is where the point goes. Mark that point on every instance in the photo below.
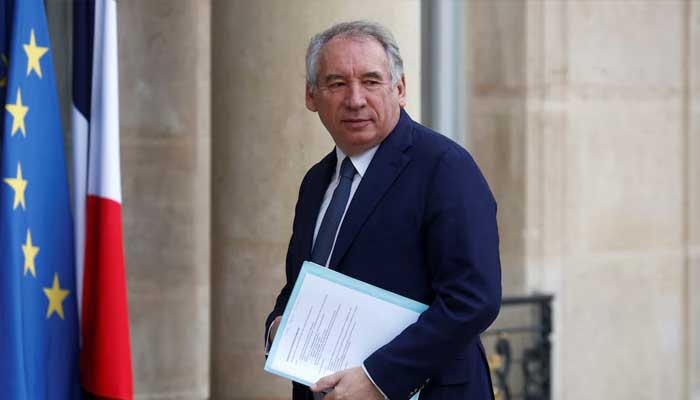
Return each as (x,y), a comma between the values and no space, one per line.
(332,77)
(373,74)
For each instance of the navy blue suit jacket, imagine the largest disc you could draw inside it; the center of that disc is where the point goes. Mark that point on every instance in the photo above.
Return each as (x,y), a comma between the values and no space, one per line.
(422,224)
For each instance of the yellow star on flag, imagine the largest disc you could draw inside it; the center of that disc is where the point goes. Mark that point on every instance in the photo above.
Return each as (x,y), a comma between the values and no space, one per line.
(18,111)
(30,251)
(56,296)
(19,185)
(34,53)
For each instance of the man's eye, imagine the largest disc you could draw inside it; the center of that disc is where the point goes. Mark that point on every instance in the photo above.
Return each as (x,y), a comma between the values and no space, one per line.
(372,83)
(334,85)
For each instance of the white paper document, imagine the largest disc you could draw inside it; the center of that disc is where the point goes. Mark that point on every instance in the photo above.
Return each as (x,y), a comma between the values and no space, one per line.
(333,322)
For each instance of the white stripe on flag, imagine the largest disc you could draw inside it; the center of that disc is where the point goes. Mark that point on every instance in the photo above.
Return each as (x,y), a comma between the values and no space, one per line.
(80,145)
(104,170)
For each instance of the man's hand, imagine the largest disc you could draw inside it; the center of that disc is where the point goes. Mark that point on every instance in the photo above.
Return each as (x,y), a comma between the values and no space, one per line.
(349,384)
(273,328)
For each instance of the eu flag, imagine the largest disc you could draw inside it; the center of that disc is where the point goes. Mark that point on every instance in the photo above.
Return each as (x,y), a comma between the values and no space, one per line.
(38,313)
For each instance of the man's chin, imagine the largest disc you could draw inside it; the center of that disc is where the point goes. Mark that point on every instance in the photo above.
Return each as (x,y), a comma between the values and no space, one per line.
(357,147)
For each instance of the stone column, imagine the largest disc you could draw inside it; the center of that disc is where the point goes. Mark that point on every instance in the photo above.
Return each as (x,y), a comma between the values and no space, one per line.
(606,177)
(164,60)
(263,142)
(496,107)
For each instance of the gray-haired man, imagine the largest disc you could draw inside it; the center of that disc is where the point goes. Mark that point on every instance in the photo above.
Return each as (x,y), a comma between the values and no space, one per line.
(419,220)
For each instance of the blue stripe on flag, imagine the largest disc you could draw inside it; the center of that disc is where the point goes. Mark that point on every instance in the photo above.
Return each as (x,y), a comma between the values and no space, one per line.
(83,32)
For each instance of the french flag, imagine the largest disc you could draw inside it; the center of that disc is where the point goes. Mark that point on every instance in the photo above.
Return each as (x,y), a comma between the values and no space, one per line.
(105,355)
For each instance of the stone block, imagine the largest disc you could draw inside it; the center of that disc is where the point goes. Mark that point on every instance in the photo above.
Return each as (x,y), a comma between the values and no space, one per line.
(167,268)
(632,46)
(548,62)
(497,47)
(625,175)
(497,146)
(622,333)
(549,155)
(693,125)
(164,66)
(170,340)
(693,177)
(694,323)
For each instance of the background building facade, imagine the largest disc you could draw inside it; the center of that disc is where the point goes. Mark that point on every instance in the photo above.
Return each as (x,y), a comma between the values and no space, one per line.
(583,115)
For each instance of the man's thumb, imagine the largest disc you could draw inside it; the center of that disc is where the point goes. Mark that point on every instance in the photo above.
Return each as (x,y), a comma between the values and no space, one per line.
(326,382)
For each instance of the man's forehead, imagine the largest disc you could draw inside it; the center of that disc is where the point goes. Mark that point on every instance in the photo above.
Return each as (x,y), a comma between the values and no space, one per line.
(365,54)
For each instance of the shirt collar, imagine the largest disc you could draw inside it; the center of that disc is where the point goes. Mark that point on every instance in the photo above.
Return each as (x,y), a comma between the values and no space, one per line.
(359,161)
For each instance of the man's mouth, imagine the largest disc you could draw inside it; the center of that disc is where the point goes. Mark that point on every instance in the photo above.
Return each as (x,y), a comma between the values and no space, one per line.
(356,123)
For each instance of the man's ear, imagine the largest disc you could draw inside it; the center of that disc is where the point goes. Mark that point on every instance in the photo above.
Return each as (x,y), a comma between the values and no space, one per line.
(310,98)
(401,86)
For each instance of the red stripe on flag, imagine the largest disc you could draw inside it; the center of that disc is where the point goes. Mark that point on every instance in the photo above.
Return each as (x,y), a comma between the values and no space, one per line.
(105,358)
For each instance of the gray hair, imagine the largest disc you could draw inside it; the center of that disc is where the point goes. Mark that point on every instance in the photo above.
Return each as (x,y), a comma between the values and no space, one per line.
(354,29)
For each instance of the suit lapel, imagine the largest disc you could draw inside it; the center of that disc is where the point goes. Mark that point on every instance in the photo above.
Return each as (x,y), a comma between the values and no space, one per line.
(387,164)
(318,183)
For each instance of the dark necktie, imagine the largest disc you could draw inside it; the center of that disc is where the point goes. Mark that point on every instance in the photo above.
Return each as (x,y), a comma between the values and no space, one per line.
(334,213)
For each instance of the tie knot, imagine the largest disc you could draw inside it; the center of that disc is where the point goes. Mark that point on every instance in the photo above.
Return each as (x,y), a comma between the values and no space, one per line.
(347,170)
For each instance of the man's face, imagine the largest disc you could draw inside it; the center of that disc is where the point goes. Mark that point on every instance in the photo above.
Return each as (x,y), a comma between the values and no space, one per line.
(354,97)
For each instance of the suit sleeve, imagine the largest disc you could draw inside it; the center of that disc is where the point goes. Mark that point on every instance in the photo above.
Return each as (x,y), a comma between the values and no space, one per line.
(284,294)
(462,256)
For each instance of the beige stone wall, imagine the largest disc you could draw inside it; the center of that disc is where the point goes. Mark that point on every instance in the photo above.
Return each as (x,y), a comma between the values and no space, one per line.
(608,194)
(496,108)
(692,158)
(264,140)
(165,90)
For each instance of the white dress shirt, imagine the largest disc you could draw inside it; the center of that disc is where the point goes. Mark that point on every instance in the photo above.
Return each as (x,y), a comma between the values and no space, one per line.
(361,163)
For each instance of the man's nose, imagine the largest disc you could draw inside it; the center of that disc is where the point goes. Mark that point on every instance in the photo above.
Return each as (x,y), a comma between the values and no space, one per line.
(355,96)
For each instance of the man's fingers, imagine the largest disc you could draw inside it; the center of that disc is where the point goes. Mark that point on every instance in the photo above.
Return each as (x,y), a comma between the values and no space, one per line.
(273,328)
(326,382)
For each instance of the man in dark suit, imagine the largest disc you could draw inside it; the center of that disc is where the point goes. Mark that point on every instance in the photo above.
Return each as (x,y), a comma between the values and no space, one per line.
(400,207)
